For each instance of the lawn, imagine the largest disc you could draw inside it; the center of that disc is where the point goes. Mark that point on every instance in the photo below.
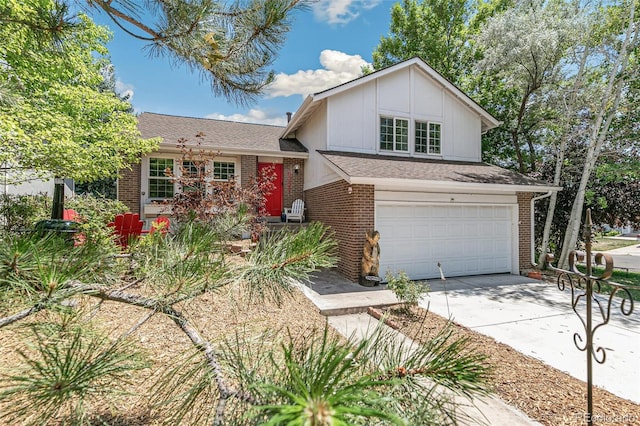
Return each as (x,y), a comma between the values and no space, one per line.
(624,277)
(609,243)
(630,280)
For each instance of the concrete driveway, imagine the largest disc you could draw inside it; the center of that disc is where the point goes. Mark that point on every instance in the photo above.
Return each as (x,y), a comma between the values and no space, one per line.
(536,319)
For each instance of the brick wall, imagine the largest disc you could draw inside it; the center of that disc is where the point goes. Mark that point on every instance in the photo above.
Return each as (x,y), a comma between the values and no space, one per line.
(248,169)
(129,187)
(349,216)
(293,182)
(524,235)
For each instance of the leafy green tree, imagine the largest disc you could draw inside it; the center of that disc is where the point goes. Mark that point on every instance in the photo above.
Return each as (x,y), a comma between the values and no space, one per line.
(522,48)
(62,123)
(434,30)
(612,73)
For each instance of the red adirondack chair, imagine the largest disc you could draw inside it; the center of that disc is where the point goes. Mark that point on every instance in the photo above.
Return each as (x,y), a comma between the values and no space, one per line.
(126,227)
(71,214)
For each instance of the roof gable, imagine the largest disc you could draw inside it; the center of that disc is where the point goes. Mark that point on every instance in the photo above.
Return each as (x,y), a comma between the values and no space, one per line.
(313,101)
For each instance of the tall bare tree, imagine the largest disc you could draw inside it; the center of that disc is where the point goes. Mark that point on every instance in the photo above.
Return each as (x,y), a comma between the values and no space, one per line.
(618,53)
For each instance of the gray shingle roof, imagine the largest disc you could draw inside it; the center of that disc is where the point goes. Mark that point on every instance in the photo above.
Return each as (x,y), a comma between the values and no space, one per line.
(218,134)
(356,165)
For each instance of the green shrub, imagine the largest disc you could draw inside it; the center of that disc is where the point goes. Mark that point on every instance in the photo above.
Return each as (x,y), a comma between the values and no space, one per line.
(21,212)
(95,213)
(407,291)
(612,233)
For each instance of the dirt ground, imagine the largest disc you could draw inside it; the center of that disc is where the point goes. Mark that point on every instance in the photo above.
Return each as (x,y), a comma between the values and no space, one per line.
(543,393)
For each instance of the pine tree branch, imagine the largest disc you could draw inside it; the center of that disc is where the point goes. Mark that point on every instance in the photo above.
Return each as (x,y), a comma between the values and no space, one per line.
(226,391)
(114,14)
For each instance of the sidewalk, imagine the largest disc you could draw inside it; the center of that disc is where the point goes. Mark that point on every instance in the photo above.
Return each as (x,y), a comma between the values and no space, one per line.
(531,316)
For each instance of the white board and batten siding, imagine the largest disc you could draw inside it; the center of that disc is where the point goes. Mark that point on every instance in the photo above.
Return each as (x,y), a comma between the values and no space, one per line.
(353,116)
(469,235)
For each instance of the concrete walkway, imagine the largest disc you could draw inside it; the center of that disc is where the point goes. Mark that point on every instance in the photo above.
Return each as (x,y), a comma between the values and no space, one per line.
(533,317)
(536,319)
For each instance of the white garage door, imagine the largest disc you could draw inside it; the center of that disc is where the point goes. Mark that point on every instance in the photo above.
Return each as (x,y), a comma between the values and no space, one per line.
(465,239)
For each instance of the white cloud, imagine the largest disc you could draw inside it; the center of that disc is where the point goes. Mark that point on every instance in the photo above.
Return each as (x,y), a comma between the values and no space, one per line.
(124,89)
(338,68)
(341,11)
(256,116)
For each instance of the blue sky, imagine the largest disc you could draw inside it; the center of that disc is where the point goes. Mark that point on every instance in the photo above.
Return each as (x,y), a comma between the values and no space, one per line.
(327,46)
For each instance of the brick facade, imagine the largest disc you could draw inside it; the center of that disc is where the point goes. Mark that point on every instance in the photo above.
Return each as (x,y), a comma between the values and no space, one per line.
(349,211)
(293,182)
(248,169)
(129,187)
(524,230)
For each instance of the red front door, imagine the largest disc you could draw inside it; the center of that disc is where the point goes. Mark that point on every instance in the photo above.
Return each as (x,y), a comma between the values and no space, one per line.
(274,200)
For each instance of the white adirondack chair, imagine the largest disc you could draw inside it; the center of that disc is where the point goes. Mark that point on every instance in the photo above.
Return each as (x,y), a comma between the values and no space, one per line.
(296,212)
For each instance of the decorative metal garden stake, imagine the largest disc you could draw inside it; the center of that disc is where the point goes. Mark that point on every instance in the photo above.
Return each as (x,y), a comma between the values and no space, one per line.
(582,286)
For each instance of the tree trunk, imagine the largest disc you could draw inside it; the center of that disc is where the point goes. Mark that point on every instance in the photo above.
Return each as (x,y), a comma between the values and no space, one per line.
(553,201)
(599,130)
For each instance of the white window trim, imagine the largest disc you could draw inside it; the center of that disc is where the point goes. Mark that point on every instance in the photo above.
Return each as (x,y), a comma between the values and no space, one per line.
(427,154)
(411,152)
(146,176)
(408,151)
(177,159)
(236,167)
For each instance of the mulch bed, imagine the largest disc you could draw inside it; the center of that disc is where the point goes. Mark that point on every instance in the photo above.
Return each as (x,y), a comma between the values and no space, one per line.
(540,391)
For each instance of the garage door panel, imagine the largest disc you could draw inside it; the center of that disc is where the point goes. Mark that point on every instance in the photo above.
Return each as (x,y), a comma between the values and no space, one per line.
(466,240)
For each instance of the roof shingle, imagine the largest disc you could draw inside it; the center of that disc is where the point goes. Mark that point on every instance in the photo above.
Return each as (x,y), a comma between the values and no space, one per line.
(357,165)
(218,134)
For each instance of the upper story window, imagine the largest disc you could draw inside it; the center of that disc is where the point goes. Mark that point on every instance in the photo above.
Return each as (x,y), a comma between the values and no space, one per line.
(224,170)
(428,137)
(160,181)
(394,134)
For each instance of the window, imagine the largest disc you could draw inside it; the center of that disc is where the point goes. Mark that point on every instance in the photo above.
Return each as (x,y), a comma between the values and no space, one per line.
(428,137)
(223,170)
(193,175)
(160,184)
(394,134)
(421,137)
(434,138)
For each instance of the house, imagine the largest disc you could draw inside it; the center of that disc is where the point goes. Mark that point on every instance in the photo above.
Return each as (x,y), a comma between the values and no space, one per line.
(16,181)
(240,149)
(398,151)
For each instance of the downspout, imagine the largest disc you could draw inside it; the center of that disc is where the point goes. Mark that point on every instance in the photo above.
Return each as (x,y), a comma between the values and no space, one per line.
(533,226)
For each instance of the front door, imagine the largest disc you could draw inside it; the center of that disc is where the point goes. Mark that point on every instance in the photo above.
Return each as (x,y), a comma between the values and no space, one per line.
(274,200)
